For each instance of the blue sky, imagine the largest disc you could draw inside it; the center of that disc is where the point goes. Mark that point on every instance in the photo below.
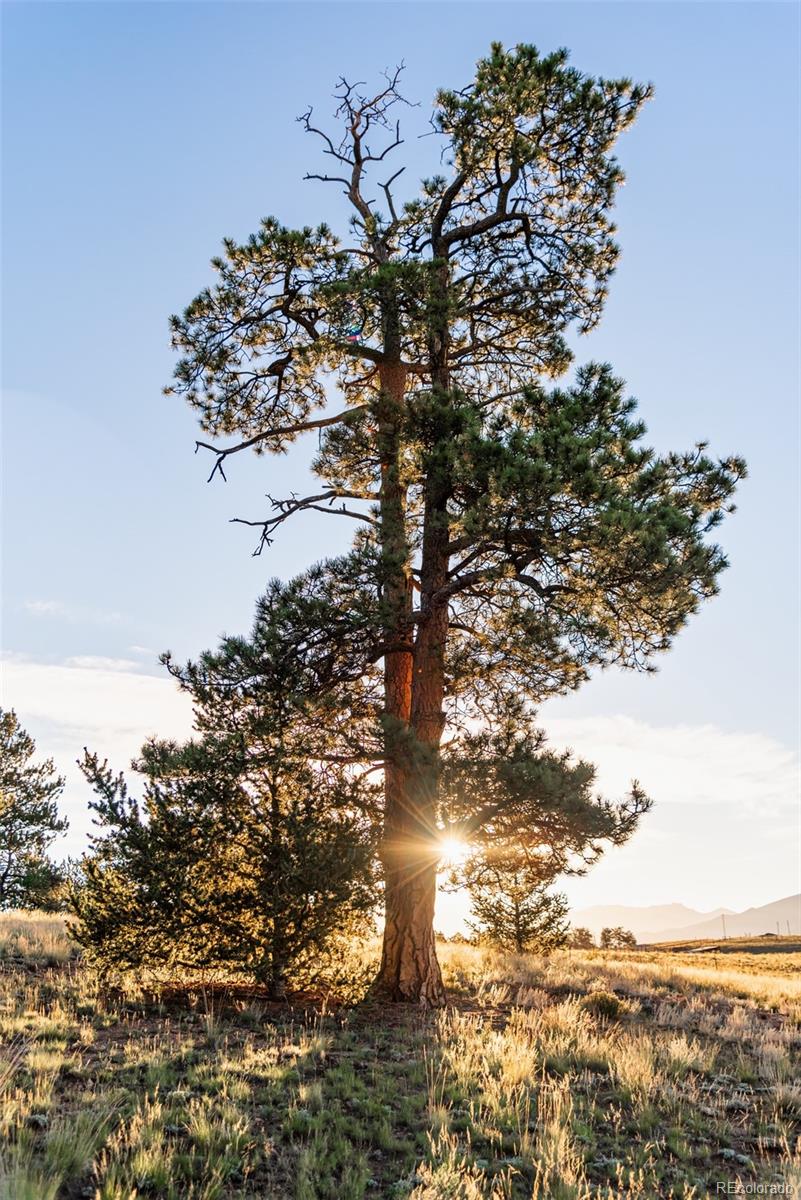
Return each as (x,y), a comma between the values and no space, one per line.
(137,135)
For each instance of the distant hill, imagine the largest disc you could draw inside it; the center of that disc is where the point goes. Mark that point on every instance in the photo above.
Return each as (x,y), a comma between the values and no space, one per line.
(751,923)
(643,922)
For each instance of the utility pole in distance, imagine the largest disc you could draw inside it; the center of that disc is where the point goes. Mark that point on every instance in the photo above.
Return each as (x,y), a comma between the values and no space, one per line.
(723,919)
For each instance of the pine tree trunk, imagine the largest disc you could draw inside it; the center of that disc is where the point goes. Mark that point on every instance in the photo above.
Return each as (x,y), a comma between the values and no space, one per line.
(409,967)
(276,986)
(519,947)
(276,983)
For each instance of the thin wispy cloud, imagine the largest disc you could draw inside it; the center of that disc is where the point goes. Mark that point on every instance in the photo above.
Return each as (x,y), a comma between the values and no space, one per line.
(74,613)
(45,608)
(97,662)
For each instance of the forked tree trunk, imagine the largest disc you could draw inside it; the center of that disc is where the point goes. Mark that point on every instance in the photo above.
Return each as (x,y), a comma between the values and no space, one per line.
(409,967)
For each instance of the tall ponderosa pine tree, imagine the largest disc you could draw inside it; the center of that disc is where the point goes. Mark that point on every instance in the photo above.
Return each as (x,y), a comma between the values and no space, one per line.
(29,819)
(253,846)
(515,536)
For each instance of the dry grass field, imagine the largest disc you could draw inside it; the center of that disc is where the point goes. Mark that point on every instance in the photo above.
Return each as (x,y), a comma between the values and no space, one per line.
(584,1075)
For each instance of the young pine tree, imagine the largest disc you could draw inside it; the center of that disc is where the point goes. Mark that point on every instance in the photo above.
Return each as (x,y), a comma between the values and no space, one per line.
(252,848)
(512,908)
(29,819)
(512,536)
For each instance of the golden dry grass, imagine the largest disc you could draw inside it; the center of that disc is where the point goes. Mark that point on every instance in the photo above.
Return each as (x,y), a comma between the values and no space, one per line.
(583,1076)
(34,937)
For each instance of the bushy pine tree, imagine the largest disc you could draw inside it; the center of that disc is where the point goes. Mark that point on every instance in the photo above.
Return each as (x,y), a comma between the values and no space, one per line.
(513,908)
(530,816)
(252,848)
(512,536)
(581,938)
(616,938)
(29,819)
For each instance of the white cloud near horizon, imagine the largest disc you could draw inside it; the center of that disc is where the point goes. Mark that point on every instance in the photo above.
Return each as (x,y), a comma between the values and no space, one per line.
(683,764)
(710,840)
(108,705)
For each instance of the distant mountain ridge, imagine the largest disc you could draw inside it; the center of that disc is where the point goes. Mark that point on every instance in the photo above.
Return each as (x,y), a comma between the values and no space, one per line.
(676,922)
(781,917)
(648,919)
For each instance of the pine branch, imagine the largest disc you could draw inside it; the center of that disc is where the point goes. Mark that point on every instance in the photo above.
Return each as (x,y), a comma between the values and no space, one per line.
(284,431)
(289,508)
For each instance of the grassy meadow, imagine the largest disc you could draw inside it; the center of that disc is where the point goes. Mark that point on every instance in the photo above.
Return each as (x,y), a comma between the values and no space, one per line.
(588,1074)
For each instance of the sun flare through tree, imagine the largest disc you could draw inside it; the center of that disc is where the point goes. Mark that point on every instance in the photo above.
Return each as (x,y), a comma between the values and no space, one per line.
(511,536)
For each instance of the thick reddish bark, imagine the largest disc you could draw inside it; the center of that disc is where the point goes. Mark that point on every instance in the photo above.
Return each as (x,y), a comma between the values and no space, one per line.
(409,967)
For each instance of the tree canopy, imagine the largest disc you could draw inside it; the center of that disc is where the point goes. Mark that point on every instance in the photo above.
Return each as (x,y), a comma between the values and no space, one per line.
(616,938)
